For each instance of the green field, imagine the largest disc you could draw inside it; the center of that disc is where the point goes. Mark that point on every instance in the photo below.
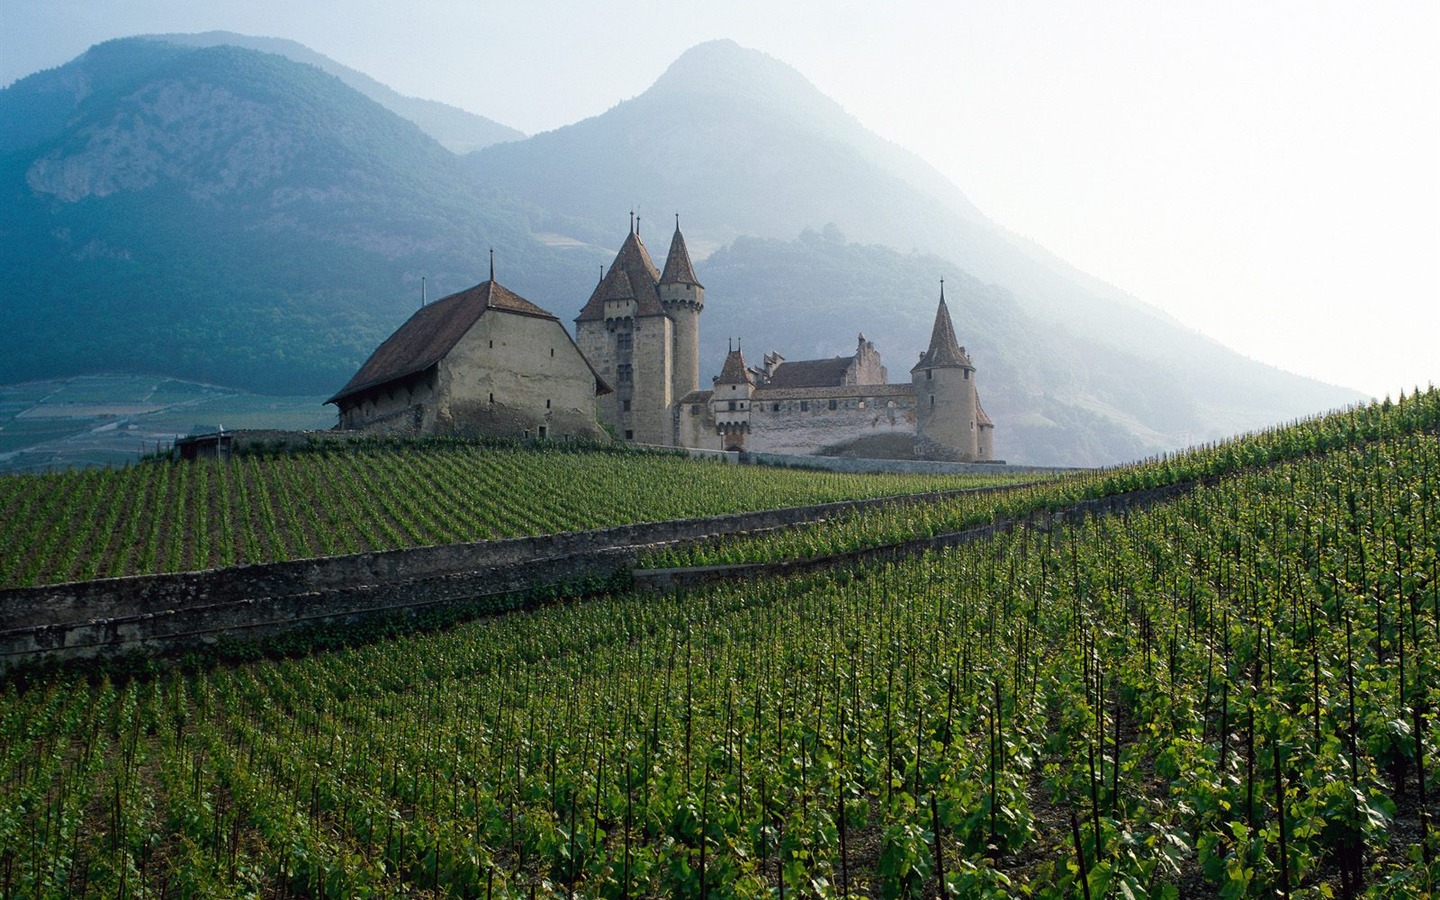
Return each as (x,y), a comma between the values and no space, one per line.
(172,517)
(112,420)
(1231,693)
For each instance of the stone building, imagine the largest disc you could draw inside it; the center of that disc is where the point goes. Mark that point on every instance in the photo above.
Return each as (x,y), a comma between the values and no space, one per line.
(484,361)
(641,330)
(844,406)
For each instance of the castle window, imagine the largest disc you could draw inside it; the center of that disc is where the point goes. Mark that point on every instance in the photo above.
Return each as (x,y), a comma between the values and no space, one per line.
(629,435)
(804,405)
(967,374)
(492,398)
(972,424)
(929,374)
(932,401)
(547,402)
(834,404)
(492,345)
(552,351)
(625,374)
(732,406)
(542,432)
(624,342)
(625,405)
(694,408)
(775,408)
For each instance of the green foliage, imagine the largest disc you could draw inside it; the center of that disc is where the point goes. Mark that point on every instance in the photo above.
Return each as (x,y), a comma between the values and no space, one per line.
(272,252)
(1181,677)
(330,498)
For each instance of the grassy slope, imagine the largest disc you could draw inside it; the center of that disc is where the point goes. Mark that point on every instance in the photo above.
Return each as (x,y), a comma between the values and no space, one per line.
(1133,700)
(163,517)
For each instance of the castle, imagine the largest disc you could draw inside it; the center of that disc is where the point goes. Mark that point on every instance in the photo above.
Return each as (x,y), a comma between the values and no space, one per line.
(488,361)
(640,329)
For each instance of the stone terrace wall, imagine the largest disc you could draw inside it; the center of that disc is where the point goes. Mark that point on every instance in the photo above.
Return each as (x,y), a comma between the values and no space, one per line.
(160,613)
(907,466)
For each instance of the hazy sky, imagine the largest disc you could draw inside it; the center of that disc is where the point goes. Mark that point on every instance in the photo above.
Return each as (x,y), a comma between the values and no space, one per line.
(1268,172)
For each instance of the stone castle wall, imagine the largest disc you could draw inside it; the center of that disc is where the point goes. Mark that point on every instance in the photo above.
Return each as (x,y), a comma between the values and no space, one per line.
(801,426)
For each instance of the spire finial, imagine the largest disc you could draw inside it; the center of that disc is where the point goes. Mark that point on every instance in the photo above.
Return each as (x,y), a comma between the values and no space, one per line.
(677,221)
(632,221)
(492,264)
(942,289)
(637,226)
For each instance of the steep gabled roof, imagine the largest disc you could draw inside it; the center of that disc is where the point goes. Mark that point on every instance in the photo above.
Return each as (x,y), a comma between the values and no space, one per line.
(432,332)
(808,373)
(734,370)
(640,280)
(617,286)
(678,269)
(945,351)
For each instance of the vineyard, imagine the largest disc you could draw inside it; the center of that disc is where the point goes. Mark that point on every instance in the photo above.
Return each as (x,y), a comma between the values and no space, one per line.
(175,517)
(1231,693)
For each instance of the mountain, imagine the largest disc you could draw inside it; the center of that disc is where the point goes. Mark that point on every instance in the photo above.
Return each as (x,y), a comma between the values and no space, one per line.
(192,208)
(745,145)
(225,214)
(456,129)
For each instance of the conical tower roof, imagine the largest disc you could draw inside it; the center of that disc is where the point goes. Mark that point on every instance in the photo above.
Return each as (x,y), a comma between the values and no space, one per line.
(678,268)
(634,264)
(945,350)
(616,285)
(735,371)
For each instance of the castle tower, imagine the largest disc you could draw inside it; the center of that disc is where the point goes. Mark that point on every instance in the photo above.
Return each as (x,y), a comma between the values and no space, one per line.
(625,332)
(730,401)
(947,409)
(683,297)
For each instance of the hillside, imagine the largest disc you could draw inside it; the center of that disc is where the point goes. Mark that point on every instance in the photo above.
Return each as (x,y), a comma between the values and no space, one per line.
(226,215)
(1063,399)
(220,214)
(743,145)
(455,129)
(1200,679)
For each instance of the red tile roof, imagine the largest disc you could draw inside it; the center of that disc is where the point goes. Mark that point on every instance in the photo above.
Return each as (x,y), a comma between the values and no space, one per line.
(945,351)
(808,373)
(734,370)
(632,274)
(678,269)
(432,332)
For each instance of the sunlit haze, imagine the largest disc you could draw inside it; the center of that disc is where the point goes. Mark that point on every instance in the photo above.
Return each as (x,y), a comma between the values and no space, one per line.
(1268,173)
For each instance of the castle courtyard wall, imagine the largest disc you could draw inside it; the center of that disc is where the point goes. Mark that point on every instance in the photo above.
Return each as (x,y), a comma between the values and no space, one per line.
(807,425)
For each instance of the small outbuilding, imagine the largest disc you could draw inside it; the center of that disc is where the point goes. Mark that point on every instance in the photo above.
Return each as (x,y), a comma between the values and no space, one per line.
(484,361)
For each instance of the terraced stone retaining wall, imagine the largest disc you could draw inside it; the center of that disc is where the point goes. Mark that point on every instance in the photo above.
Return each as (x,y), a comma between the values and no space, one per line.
(169,613)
